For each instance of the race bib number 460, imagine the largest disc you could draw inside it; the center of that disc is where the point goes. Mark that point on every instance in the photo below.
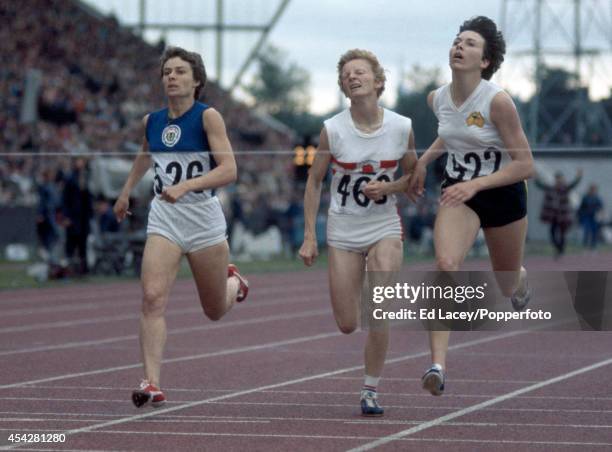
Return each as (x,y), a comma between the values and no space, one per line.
(348,189)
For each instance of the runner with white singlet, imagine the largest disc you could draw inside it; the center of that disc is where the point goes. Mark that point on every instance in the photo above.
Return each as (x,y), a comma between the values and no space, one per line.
(364,145)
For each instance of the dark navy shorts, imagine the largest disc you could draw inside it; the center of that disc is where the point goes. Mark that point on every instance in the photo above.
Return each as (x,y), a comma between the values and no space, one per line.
(497,206)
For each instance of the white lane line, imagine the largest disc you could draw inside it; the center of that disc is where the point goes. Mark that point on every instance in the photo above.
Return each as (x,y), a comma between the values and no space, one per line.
(75,450)
(549,444)
(230,351)
(160,411)
(423,394)
(126,388)
(103,304)
(175,331)
(338,437)
(172,418)
(174,421)
(314,404)
(44,295)
(383,393)
(91,321)
(455,380)
(102,291)
(406,407)
(489,424)
(63,308)
(479,406)
(105,319)
(122,304)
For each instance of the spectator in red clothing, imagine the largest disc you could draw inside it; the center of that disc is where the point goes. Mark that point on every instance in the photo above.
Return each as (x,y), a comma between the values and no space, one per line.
(556,208)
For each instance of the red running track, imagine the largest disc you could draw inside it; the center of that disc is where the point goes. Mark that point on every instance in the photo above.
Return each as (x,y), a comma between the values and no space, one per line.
(276,375)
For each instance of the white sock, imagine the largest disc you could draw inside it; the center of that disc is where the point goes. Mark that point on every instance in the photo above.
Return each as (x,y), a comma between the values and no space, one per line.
(371,383)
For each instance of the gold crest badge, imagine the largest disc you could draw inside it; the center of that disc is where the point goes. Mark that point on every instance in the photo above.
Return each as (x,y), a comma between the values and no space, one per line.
(475,119)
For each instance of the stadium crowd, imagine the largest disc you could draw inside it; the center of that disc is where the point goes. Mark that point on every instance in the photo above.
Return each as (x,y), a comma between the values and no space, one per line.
(75,83)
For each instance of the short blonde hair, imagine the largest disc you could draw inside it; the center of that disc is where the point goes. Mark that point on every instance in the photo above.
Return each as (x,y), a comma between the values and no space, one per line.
(360,54)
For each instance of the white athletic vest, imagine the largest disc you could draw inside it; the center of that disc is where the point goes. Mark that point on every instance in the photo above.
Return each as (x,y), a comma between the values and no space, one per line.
(473,143)
(358,158)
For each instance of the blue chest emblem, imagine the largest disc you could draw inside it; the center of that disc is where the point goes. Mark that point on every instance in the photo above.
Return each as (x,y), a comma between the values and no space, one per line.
(171,135)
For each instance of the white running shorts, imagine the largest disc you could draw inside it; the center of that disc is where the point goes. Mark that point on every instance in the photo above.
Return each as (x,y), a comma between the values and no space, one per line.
(360,233)
(192,226)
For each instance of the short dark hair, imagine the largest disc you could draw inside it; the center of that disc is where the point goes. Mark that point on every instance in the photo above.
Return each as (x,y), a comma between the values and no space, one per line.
(195,61)
(495,45)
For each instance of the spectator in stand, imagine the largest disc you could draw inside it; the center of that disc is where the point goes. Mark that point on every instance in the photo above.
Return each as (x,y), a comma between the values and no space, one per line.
(107,222)
(48,203)
(556,209)
(420,229)
(590,207)
(77,208)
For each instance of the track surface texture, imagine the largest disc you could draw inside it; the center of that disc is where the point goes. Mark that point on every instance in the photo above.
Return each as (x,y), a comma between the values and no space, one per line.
(276,375)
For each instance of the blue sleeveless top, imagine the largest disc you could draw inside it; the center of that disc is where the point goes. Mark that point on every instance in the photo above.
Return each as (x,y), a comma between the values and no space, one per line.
(180,150)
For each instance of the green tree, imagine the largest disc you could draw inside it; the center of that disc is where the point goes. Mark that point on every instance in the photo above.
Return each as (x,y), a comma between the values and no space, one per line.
(281,89)
(412,102)
(279,85)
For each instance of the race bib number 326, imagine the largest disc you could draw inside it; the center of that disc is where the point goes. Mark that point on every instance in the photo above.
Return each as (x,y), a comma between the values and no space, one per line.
(175,170)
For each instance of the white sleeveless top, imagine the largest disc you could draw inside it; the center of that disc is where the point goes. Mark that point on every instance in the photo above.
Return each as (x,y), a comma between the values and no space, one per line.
(358,158)
(473,143)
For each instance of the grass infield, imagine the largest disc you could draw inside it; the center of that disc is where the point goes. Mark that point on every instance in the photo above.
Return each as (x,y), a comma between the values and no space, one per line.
(13,275)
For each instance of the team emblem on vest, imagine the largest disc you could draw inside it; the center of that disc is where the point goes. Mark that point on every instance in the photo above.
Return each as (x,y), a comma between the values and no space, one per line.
(170,135)
(367,167)
(475,119)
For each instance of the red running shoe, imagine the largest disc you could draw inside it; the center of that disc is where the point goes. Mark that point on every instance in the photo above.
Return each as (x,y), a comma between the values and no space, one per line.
(147,393)
(243,291)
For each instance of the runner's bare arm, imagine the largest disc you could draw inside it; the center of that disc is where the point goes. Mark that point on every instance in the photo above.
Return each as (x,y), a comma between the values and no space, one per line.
(141,165)
(375,189)
(224,173)
(506,119)
(312,198)
(436,150)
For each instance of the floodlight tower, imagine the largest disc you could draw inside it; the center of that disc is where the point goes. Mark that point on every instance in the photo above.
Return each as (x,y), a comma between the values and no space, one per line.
(568,31)
(220,28)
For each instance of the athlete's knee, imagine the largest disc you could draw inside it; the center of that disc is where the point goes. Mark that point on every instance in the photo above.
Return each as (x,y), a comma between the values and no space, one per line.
(388,258)
(347,326)
(447,263)
(214,307)
(153,306)
(214,314)
(379,263)
(153,302)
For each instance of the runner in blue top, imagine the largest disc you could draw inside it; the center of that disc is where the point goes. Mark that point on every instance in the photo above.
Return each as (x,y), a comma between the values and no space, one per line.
(192,156)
